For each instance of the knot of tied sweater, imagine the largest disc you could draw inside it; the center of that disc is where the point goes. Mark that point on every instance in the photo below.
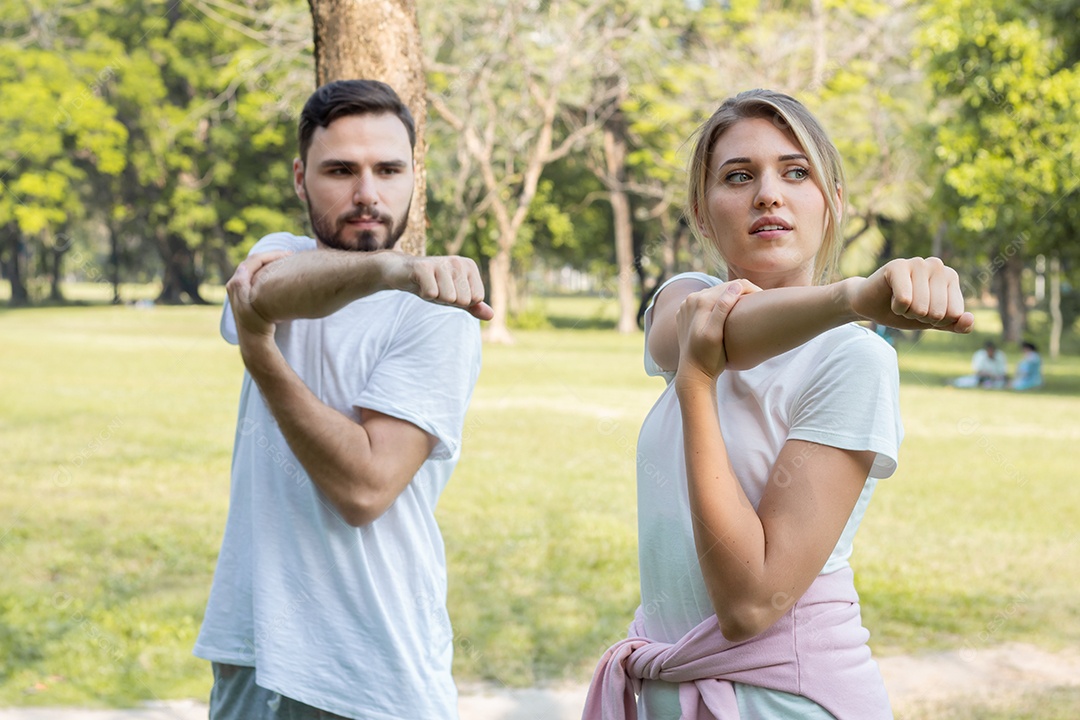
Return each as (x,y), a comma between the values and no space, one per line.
(817,650)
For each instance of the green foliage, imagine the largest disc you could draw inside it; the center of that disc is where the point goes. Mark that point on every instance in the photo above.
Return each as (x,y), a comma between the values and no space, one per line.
(168,124)
(56,131)
(1009,145)
(167,129)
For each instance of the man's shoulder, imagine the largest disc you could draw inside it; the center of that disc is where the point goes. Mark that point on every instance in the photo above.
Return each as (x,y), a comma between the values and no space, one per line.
(283,241)
(402,315)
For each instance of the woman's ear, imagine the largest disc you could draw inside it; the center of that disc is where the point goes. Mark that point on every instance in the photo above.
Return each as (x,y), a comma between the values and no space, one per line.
(699,220)
(839,203)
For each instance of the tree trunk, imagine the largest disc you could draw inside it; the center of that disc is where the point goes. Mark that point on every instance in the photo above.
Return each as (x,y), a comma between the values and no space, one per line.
(379,40)
(179,278)
(615,159)
(1010,296)
(15,268)
(56,257)
(624,261)
(1056,322)
(114,262)
(497,331)
(220,258)
(937,245)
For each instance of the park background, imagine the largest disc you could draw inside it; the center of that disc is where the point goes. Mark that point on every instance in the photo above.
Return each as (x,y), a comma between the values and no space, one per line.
(144,146)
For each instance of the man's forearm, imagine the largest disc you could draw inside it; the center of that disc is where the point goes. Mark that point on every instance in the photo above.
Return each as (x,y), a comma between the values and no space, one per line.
(334,450)
(318,283)
(765,324)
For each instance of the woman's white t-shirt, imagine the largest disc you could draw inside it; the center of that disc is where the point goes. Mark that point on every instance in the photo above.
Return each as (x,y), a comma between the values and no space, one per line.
(839,389)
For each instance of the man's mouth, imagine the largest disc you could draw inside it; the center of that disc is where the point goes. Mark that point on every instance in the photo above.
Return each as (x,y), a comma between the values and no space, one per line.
(365,221)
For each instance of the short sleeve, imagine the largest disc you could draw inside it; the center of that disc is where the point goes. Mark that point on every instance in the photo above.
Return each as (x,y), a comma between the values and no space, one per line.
(427,374)
(269,243)
(851,401)
(651,368)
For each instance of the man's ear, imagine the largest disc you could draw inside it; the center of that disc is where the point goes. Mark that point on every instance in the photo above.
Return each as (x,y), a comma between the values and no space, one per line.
(298,179)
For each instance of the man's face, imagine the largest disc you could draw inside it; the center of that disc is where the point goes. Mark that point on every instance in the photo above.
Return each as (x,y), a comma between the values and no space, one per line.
(357,182)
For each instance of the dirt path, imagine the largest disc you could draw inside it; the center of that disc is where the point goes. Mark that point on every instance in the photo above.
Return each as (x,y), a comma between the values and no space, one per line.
(913,681)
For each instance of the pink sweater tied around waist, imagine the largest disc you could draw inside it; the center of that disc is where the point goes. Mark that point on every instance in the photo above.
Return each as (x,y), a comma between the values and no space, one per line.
(817,650)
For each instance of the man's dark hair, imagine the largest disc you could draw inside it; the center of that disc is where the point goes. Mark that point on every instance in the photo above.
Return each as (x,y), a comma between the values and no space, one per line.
(342,98)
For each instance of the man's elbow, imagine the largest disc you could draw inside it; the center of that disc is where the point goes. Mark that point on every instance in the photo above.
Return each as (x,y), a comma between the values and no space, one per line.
(358,516)
(268,310)
(359,512)
(365,506)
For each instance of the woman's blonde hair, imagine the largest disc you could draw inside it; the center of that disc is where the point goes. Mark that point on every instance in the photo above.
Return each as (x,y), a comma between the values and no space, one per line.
(826,167)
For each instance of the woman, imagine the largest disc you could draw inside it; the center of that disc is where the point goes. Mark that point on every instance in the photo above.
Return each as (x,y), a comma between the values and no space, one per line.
(1029,369)
(779,416)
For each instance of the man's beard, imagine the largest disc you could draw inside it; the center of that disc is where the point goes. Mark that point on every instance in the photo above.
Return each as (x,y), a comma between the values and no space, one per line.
(331,232)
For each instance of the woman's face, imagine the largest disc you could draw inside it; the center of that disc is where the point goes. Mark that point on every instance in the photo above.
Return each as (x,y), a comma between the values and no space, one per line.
(766,213)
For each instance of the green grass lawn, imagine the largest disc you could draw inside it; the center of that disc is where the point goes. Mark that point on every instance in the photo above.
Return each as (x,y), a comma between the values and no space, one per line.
(117,426)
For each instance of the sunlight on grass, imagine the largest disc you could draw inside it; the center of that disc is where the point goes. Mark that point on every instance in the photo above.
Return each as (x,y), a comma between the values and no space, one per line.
(118,424)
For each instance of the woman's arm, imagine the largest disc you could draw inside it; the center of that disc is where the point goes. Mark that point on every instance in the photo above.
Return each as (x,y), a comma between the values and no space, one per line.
(914,293)
(755,564)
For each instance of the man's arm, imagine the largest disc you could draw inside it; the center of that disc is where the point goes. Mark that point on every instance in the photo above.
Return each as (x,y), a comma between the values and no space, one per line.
(318,283)
(360,467)
(907,294)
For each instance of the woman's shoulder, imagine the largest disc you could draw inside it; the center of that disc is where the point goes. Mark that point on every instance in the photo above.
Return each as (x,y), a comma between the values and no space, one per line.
(704,279)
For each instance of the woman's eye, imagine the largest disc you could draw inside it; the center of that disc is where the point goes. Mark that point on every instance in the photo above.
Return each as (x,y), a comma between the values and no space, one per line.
(738,176)
(798,173)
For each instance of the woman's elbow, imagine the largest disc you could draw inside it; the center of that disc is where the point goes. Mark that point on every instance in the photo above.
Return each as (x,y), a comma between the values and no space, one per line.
(746,622)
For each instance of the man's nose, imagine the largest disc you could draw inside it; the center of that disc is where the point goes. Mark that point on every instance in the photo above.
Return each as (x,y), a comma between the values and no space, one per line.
(364,190)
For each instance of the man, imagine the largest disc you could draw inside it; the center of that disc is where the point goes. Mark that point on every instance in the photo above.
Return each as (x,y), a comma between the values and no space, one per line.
(989,366)
(329,598)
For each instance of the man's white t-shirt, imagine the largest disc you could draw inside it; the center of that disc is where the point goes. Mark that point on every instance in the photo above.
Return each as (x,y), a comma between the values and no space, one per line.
(349,620)
(839,389)
(995,367)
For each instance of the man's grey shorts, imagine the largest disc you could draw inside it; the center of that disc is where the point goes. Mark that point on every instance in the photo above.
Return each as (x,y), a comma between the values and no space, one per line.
(236,697)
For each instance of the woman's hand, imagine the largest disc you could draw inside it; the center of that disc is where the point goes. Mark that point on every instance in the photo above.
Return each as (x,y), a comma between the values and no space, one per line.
(700,326)
(912,294)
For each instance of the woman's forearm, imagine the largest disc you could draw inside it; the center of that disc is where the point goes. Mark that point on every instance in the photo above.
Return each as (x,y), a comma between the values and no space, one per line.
(728,533)
(765,324)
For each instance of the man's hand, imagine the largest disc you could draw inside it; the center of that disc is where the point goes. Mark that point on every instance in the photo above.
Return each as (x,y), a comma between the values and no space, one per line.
(700,326)
(912,294)
(249,323)
(446,280)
